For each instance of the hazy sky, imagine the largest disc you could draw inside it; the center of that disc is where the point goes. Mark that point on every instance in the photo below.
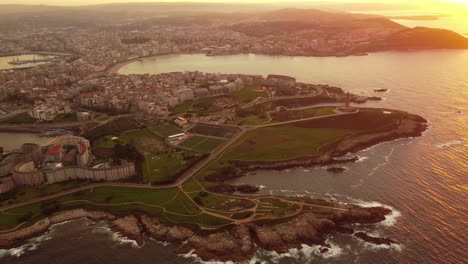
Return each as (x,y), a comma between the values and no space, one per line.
(88,2)
(438,5)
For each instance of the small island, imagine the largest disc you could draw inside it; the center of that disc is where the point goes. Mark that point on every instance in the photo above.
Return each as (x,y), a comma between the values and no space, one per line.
(165,178)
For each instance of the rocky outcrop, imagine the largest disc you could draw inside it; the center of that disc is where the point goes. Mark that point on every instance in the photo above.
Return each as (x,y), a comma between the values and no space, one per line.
(381,90)
(336,169)
(235,244)
(130,227)
(360,215)
(161,232)
(305,229)
(15,237)
(375,240)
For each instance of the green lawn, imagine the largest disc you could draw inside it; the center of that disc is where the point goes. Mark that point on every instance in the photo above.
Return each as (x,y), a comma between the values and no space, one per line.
(159,168)
(26,194)
(182,108)
(203,144)
(179,208)
(250,120)
(143,139)
(71,117)
(301,139)
(247,95)
(282,143)
(165,130)
(282,116)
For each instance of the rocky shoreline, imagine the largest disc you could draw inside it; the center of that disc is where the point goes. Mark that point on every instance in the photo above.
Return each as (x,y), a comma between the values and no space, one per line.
(14,238)
(234,243)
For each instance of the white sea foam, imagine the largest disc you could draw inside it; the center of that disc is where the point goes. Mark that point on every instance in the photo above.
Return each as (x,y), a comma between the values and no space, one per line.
(116,236)
(261,187)
(374,247)
(390,220)
(305,253)
(449,144)
(31,245)
(362,158)
(162,243)
(192,256)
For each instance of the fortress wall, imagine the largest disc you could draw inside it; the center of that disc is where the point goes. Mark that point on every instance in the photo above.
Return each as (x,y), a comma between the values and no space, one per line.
(6,185)
(30,178)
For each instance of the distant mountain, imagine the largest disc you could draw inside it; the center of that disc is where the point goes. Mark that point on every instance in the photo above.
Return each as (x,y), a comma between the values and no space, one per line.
(288,21)
(426,38)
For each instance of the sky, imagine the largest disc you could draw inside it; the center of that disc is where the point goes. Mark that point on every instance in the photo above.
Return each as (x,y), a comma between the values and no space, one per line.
(429,4)
(90,2)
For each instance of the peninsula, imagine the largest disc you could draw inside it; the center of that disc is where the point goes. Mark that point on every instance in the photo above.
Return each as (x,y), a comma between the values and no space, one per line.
(164,177)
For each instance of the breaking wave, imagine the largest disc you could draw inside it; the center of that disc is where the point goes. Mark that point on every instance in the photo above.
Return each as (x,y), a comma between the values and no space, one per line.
(115,236)
(304,255)
(192,256)
(390,219)
(449,144)
(31,245)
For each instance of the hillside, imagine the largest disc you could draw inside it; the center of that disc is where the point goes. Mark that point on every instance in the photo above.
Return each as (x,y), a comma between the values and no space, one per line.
(287,21)
(426,38)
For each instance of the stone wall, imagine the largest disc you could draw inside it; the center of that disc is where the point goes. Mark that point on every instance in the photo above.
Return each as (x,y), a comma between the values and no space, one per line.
(6,184)
(27,178)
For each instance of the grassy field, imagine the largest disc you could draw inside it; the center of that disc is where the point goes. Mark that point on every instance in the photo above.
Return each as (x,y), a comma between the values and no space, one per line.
(247,95)
(170,204)
(144,139)
(203,144)
(250,120)
(182,108)
(26,194)
(202,106)
(165,130)
(282,143)
(161,168)
(61,118)
(282,116)
(302,139)
(213,130)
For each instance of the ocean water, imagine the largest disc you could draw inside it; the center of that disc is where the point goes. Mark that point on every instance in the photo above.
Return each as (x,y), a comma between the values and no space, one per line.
(424,180)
